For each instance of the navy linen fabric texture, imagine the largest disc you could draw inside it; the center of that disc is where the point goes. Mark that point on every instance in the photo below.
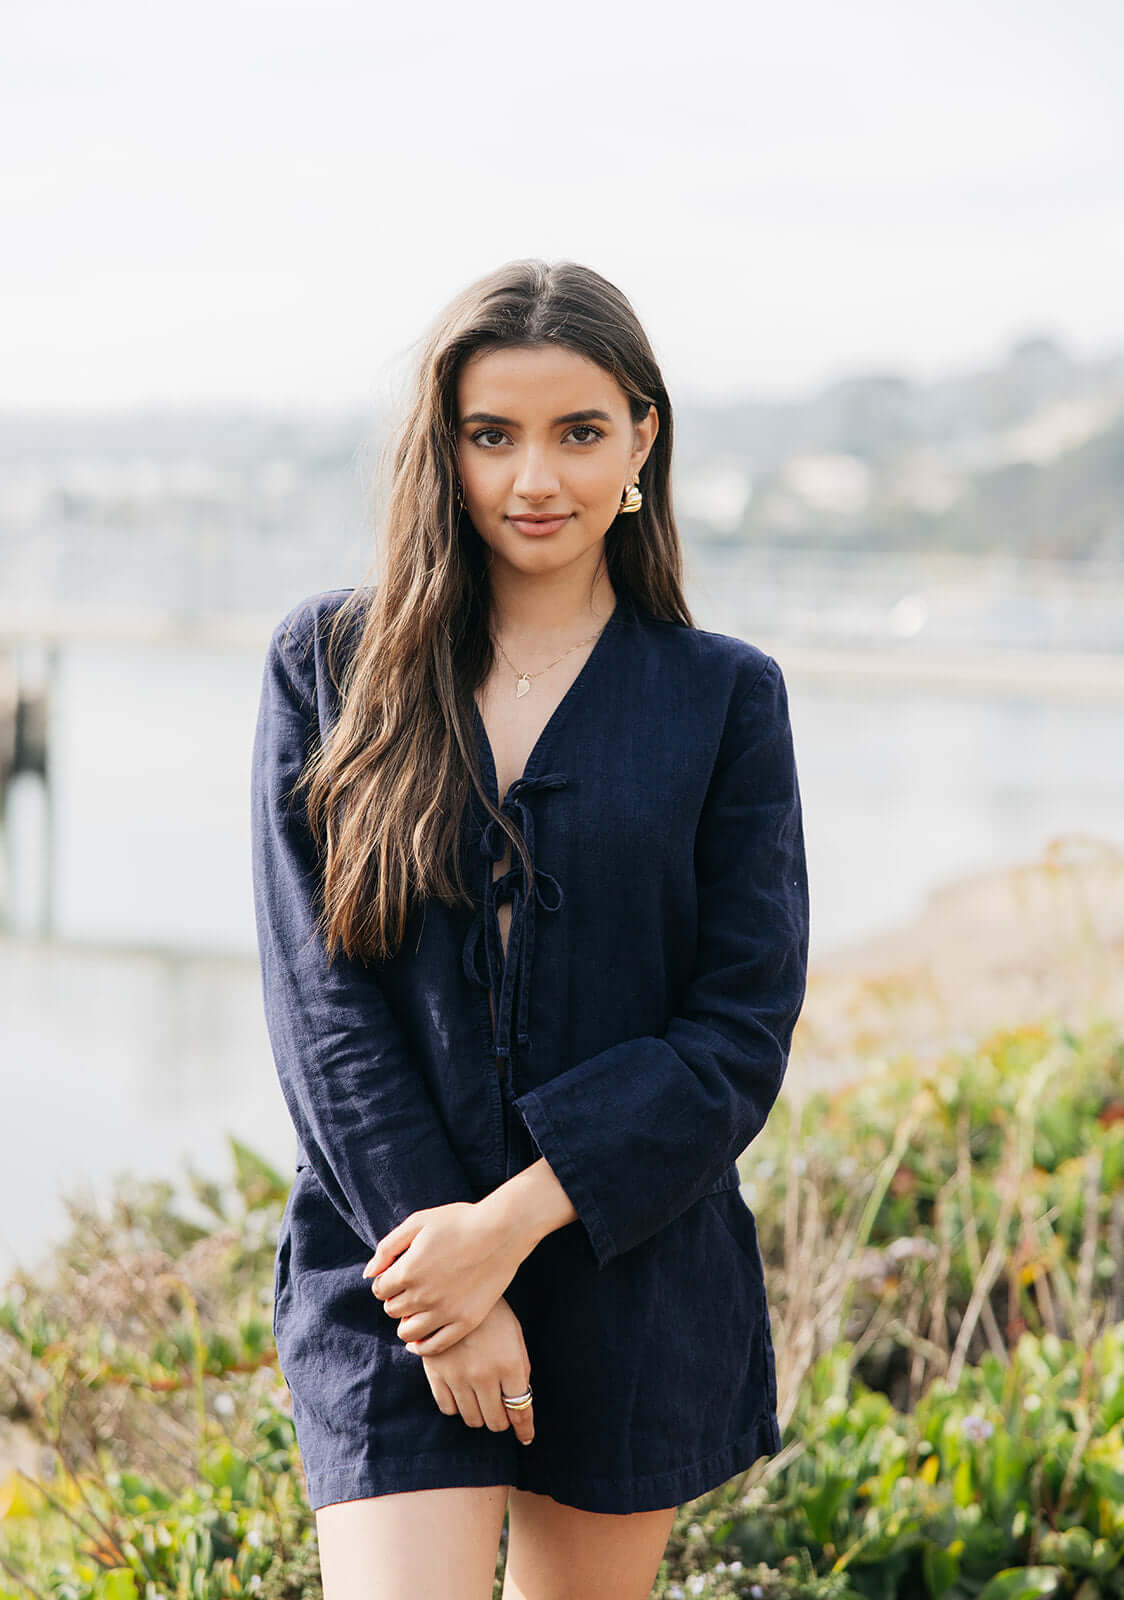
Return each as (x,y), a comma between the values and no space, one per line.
(654,973)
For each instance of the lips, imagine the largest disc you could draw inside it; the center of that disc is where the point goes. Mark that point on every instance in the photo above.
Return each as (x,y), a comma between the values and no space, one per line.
(538,525)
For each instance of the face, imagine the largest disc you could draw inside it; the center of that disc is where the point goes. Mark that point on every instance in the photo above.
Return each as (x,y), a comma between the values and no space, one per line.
(543,431)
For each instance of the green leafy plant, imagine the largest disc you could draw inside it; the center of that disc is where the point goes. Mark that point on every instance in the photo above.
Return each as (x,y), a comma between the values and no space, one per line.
(944,1246)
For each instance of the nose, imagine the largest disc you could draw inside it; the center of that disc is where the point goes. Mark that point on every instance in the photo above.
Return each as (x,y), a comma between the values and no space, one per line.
(536,479)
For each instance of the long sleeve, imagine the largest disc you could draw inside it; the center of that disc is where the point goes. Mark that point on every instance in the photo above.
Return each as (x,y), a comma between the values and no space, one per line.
(362,1112)
(640,1131)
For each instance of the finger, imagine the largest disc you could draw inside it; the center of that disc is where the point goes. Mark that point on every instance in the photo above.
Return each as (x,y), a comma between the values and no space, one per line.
(441,1392)
(404,1305)
(467,1406)
(393,1243)
(420,1325)
(522,1422)
(437,1343)
(492,1407)
(391,1281)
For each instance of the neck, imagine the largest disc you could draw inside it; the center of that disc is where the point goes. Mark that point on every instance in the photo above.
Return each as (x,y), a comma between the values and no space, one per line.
(532,612)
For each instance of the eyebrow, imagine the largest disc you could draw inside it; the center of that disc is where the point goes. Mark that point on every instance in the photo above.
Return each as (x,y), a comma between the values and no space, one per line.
(509,422)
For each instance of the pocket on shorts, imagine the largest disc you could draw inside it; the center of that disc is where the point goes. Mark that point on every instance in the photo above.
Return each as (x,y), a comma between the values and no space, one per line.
(730,1179)
(741,1224)
(280,1275)
(281,1259)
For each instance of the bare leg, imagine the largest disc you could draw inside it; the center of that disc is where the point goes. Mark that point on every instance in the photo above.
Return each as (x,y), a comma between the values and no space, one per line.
(430,1544)
(557,1553)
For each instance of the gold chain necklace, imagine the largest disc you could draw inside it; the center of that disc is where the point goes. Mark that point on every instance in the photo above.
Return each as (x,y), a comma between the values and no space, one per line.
(523,679)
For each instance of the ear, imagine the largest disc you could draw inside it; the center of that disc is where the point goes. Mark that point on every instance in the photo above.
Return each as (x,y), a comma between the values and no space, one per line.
(644,436)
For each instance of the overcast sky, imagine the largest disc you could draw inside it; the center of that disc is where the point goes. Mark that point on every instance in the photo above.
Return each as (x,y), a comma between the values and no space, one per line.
(217,204)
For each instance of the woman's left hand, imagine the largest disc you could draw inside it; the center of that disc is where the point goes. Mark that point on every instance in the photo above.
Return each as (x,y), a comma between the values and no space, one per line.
(441,1271)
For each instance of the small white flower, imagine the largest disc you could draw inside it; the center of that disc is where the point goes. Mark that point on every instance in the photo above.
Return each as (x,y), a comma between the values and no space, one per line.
(908,1245)
(224,1405)
(695,1530)
(719,1566)
(756,1591)
(253,1537)
(697,1584)
(736,1566)
(675,1592)
(976,1428)
(255,1581)
(1032,1402)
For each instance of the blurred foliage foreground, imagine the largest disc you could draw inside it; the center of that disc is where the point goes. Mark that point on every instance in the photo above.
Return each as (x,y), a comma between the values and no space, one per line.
(944,1247)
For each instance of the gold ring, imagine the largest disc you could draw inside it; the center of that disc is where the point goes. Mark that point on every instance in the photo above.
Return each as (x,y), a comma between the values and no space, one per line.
(517,1402)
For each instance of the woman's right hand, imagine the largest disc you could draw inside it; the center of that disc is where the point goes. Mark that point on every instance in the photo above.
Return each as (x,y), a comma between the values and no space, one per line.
(468,1377)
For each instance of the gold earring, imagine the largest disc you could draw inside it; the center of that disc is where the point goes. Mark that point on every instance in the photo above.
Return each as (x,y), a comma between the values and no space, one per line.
(632,499)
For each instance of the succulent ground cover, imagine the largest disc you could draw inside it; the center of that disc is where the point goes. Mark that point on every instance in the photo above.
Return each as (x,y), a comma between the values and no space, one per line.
(944,1249)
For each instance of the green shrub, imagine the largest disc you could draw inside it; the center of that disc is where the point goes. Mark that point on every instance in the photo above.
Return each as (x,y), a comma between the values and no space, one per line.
(944,1245)
(1019,1468)
(934,1211)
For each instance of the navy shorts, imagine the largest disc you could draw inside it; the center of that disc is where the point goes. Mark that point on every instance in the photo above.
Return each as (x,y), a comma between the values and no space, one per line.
(654,1375)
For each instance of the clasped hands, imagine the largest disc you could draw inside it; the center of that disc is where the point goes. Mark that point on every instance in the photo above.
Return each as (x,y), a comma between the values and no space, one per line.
(442,1272)
(442,1269)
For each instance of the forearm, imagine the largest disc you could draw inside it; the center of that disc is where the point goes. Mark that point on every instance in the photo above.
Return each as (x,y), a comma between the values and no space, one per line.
(528,1206)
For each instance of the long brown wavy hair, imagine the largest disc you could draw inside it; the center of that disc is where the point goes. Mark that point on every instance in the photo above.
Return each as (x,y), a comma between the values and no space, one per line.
(386,791)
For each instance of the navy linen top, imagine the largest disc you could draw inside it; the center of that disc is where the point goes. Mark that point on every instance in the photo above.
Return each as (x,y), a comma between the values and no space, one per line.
(655,967)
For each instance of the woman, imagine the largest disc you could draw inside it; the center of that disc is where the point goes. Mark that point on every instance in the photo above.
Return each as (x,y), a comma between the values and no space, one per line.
(532,908)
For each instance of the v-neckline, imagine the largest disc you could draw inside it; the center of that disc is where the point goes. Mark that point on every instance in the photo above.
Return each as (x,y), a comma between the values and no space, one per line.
(614,618)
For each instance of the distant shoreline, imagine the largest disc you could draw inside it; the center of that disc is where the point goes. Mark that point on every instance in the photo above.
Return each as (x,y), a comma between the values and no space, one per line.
(1002,669)
(1085,673)
(1003,946)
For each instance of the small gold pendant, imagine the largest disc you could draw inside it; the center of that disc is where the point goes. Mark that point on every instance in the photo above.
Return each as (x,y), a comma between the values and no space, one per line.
(522,685)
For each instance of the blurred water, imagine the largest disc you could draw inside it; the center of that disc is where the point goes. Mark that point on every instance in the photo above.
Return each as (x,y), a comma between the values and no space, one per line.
(902,785)
(132,1038)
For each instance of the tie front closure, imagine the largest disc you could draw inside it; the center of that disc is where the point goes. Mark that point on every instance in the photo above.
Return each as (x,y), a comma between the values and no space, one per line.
(509,978)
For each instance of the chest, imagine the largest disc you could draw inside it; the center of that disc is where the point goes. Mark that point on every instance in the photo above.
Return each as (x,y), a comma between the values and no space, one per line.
(617,833)
(637,750)
(515,723)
